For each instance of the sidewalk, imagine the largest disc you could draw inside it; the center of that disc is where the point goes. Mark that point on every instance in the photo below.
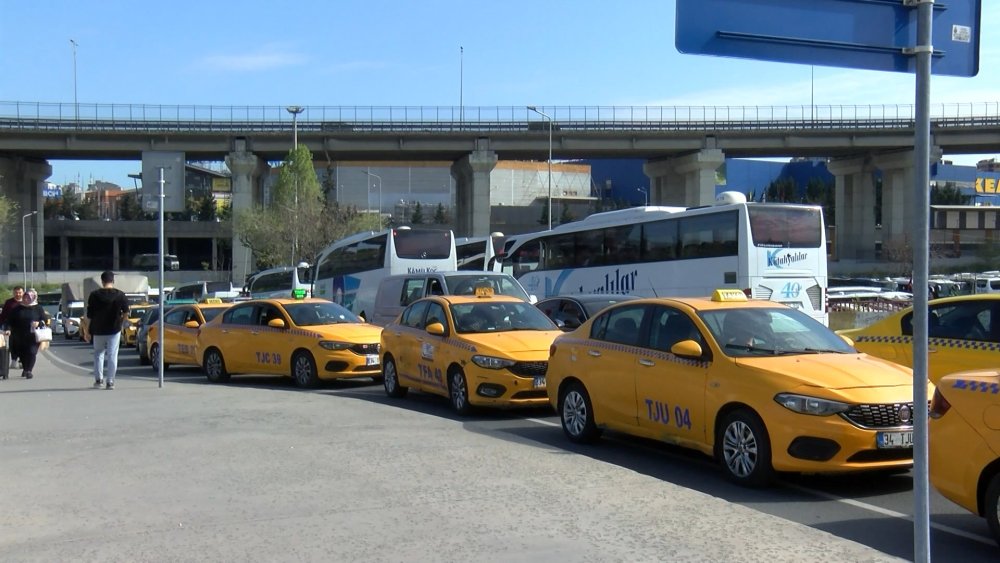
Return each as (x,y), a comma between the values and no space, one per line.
(196,472)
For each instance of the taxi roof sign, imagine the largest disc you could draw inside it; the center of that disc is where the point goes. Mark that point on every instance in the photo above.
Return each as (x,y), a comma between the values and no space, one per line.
(484,291)
(298,293)
(211,300)
(728,295)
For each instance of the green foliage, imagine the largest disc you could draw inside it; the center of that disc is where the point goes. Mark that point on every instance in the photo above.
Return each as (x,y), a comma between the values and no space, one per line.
(129,208)
(782,190)
(87,210)
(69,203)
(297,180)
(566,216)
(441,215)
(948,194)
(206,208)
(8,213)
(418,215)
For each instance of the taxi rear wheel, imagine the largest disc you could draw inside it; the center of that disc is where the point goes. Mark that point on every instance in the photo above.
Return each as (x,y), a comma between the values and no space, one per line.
(744,449)
(304,370)
(458,391)
(390,379)
(154,357)
(992,507)
(215,366)
(577,414)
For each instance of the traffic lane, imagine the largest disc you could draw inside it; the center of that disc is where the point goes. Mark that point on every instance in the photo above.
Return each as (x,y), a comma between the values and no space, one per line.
(870,508)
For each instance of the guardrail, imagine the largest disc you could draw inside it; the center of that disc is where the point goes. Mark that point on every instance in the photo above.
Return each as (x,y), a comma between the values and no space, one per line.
(144,117)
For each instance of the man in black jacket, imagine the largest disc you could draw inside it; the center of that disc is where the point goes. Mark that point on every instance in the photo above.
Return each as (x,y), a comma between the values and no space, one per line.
(107,309)
(8,307)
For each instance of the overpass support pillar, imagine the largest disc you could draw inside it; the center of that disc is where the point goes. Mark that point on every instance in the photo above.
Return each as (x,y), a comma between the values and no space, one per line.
(898,191)
(854,207)
(472,190)
(685,181)
(21,181)
(247,170)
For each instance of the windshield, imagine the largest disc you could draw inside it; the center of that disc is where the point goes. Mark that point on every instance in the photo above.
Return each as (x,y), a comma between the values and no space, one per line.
(783,226)
(317,313)
(76,311)
(778,331)
(501,285)
(497,316)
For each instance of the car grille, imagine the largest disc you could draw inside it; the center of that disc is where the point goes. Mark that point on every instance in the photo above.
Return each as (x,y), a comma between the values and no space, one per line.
(529,369)
(879,415)
(365,349)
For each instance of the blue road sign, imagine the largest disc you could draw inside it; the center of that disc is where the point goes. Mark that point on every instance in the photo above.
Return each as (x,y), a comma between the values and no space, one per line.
(868,34)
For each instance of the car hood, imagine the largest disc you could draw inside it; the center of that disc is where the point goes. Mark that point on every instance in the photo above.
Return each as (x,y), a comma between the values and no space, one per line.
(834,371)
(514,341)
(355,332)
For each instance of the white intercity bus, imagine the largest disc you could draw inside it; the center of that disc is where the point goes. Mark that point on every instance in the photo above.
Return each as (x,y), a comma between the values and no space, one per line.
(772,251)
(476,253)
(348,271)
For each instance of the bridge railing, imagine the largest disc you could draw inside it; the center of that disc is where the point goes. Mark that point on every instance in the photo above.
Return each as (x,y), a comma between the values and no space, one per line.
(43,115)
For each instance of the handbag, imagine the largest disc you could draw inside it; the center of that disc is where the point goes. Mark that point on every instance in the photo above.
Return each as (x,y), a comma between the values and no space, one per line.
(43,334)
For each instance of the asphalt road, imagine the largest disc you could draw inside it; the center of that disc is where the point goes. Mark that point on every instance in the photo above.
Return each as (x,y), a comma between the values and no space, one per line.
(347,473)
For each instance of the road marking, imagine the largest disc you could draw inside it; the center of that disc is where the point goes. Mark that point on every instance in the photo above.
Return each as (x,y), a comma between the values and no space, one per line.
(56,359)
(545,422)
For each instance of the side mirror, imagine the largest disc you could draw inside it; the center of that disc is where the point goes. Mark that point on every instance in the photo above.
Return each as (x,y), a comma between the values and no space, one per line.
(687,349)
(532,299)
(437,329)
(276,323)
(192,324)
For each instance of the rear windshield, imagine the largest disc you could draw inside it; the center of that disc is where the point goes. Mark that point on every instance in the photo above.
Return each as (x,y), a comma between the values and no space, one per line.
(422,244)
(779,226)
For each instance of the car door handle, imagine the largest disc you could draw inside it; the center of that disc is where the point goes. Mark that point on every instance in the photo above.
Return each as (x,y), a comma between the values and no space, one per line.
(647,363)
(594,353)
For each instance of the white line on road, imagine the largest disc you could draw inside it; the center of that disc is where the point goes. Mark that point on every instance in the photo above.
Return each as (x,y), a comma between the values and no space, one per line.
(545,422)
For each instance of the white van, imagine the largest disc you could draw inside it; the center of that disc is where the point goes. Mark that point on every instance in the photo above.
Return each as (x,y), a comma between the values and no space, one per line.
(396,292)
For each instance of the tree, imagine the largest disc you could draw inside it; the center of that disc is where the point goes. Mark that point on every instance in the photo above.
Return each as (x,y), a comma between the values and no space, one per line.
(544,219)
(418,215)
(70,202)
(206,208)
(87,209)
(566,216)
(949,194)
(441,215)
(782,190)
(129,208)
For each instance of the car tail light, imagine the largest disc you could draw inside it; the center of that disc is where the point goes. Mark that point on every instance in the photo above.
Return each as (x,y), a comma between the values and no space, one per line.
(939,405)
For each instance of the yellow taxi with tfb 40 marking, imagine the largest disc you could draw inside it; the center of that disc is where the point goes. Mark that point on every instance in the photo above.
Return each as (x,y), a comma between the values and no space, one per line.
(964,442)
(481,350)
(180,333)
(307,339)
(760,386)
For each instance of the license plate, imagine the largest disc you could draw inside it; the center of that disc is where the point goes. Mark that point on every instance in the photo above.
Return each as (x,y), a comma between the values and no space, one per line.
(539,381)
(894,439)
(371,360)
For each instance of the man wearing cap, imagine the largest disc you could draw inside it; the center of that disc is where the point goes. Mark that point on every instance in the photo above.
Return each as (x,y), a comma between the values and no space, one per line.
(107,309)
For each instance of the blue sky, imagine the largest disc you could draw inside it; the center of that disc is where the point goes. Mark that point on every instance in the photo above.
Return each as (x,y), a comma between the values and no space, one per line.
(384,52)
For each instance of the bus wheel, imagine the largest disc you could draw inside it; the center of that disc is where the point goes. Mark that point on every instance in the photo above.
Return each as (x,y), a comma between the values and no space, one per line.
(215,366)
(390,379)
(744,450)
(458,391)
(577,414)
(304,370)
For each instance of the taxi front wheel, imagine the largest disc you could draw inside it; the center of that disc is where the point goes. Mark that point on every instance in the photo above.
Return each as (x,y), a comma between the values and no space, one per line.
(577,414)
(390,379)
(304,370)
(992,507)
(215,366)
(744,449)
(458,390)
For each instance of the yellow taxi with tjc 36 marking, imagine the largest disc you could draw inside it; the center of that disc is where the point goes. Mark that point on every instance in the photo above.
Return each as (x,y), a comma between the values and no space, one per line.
(760,386)
(307,339)
(482,350)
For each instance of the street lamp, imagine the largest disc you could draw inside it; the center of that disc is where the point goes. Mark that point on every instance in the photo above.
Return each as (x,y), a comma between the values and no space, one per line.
(24,246)
(295,111)
(76,105)
(644,192)
(549,119)
(379,178)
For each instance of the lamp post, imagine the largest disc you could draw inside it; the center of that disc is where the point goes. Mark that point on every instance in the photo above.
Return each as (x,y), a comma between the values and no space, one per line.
(76,105)
(24,246)
(549,119)
(379,178)
(644,192)
(295,111)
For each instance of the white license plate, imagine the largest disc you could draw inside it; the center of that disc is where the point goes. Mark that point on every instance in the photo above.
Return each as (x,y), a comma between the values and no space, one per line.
(371,360)
(894,439)
(539,381)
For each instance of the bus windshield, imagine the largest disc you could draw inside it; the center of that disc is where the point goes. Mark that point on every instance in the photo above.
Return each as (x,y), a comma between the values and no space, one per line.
(785,227)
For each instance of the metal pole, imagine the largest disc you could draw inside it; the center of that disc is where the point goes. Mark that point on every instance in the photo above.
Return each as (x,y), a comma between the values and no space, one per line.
(159,322)
(24,247)
(549,119)
(76,105)
(461,84)
(295,111)
(921,149)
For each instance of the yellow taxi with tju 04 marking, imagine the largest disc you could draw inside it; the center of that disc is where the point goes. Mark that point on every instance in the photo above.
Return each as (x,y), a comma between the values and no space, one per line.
(307,339)
(180,333)
(481,350)
(964,442)
(760,386)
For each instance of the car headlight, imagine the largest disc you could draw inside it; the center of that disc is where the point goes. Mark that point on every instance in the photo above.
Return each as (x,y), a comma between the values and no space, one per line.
(491,362)
(804,404)
(334,345)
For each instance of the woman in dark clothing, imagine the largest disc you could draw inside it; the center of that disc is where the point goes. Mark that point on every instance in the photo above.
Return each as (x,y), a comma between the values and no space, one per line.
(22,321)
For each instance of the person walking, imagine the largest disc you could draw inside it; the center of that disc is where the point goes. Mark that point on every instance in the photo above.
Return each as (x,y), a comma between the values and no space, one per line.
(8,306)
(107,309)
(23,321)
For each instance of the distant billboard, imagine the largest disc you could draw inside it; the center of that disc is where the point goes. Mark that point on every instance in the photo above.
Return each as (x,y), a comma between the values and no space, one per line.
(222,185)
(172,164)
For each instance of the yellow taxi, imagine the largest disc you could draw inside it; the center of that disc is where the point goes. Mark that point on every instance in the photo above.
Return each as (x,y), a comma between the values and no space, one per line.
(180,333)
(130,328)
(307,339)
(760,386)
(964,440)
(960,330)
(480,350)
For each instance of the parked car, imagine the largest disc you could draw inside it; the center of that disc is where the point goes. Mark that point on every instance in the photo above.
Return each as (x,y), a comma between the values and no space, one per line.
(142,346)
(180,333)
(396,292)
(571,311)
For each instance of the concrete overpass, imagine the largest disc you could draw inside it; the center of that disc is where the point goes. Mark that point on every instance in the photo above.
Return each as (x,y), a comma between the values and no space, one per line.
(684,145)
